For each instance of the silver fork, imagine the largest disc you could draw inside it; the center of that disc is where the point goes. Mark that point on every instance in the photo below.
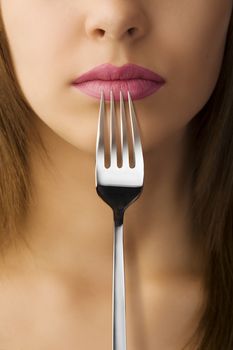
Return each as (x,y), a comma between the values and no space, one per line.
(118,187)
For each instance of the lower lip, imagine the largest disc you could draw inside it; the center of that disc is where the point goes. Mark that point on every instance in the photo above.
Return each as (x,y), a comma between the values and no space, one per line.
(138,88)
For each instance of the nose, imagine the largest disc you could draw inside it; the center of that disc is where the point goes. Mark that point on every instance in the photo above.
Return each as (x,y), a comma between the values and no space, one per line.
(116,20)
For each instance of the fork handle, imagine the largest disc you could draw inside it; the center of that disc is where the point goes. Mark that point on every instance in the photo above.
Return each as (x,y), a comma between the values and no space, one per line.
(119,324)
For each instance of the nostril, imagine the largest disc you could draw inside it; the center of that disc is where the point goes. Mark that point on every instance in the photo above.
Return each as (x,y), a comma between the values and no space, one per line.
(101,32)
(131,31)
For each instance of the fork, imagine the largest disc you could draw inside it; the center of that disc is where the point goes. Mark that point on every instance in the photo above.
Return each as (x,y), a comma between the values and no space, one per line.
(119,187)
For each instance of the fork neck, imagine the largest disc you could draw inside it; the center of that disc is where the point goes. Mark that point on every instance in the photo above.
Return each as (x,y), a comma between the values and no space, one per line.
(118,215)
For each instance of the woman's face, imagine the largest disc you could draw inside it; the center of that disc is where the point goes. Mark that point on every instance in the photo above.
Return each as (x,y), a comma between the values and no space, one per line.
(53,42)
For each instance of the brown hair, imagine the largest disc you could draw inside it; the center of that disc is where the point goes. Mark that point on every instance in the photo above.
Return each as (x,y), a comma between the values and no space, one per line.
(18,135)
(211,154)
(211,157)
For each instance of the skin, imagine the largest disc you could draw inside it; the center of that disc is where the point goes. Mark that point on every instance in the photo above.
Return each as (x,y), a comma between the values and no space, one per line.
(68,269)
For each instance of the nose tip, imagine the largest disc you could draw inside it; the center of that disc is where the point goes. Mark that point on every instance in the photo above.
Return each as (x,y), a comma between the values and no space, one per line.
(116,22)
(115,31)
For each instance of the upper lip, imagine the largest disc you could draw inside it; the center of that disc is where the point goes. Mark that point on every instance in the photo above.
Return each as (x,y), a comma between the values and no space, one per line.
(125,72)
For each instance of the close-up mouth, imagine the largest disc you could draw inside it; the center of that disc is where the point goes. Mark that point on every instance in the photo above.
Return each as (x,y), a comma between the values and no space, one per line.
(140,81)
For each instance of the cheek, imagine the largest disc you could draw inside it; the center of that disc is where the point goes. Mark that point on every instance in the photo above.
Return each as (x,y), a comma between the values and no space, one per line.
(191,53)
(34,37)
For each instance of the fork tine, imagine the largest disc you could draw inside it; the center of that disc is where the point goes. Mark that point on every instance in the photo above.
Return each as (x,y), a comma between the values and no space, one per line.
(137,146)
(112,132)
(100,133)
(123,134)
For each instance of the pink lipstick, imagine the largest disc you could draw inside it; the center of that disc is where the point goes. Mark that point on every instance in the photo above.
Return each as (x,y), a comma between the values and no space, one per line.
(140,81)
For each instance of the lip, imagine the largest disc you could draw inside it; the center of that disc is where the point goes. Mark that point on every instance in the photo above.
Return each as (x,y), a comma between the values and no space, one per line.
(139,81)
